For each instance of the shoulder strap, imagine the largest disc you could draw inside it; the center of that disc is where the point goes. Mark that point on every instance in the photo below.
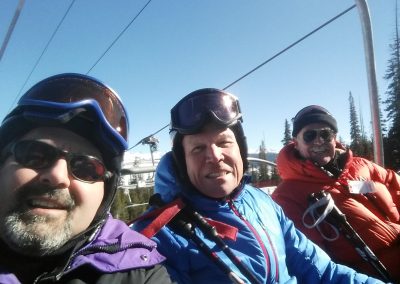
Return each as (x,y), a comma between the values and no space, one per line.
(164,215)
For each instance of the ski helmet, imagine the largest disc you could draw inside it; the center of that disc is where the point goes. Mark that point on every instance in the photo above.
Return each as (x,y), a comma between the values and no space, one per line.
(194,111)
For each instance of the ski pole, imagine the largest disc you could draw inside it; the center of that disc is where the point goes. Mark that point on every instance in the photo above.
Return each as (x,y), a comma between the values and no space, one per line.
(337,218)
(213,256)
(212,233)
(180,223)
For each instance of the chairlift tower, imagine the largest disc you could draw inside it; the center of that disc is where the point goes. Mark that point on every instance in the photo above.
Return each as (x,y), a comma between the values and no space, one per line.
(153,145)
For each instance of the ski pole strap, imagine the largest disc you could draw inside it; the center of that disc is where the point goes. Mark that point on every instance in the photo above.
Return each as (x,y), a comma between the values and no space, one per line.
(339,220)
(213,256)
(318,217)
(223,230)
(210,232)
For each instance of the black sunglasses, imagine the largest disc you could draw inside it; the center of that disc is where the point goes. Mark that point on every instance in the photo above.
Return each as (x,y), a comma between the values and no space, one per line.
(39,155)
(310,135)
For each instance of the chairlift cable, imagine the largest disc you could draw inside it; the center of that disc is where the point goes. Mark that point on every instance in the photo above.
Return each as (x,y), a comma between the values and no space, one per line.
(290,46)
(117,38)
(268,60)
(54,33)
(43,52)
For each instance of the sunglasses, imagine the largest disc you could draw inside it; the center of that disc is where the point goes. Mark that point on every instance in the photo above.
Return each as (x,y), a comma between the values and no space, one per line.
(310,135)
(39,155)
(191,113)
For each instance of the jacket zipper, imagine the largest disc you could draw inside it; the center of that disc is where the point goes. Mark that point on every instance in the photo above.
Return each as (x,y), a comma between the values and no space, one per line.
(274,252)
(258,238)
(111,248)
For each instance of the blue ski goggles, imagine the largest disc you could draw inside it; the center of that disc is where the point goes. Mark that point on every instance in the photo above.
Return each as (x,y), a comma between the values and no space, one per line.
(64,96)
(191,113)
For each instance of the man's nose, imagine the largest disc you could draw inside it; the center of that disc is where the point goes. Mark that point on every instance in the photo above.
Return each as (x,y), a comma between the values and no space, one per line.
(318,139)
(214,153)
(56,175)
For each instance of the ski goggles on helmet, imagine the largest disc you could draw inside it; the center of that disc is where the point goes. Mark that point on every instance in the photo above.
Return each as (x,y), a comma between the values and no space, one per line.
(191,113)
(39,155)
(65,96)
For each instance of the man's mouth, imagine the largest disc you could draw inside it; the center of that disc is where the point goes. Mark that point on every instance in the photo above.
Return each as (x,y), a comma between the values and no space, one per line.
(45,203)
(318,150)
(218,174)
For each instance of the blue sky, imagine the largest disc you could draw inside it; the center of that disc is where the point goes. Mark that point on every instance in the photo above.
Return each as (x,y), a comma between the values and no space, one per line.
(177,46)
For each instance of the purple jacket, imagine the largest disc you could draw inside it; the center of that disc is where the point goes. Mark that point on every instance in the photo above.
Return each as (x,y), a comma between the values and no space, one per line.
(114,248)
(133,250)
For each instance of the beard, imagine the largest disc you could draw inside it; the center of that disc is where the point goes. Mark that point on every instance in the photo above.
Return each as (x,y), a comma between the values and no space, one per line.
(36,235)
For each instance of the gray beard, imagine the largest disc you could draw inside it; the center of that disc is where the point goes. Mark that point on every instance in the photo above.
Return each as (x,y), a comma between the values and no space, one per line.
(35,235)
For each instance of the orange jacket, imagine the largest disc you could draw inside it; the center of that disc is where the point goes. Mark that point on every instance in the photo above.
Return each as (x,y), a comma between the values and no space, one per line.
(374,216)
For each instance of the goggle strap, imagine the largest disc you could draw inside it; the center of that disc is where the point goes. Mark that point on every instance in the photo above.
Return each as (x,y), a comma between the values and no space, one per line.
(42,118)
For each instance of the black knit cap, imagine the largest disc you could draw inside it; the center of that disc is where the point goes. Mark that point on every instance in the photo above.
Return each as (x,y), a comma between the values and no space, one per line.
(312,114)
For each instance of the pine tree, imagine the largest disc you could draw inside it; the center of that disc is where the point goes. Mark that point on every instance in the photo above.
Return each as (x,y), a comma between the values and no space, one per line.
(392,102)
(287,137)
(127,208)
(366,142)
(355,132)
(254,176)
(360,144)
(263,170)
(382,119)
(275,176)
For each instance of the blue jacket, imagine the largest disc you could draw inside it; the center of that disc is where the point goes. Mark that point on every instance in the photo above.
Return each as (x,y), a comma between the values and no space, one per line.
(116,254)
(266,241)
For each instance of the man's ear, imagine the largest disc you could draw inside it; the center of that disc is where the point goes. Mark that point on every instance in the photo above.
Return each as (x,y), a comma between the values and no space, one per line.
(295,141)
(335,139)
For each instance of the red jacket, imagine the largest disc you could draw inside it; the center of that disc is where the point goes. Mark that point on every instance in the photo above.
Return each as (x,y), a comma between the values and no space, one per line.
(377,221)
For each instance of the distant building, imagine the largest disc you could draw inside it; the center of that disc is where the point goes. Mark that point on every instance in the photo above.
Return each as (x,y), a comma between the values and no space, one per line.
(138,169)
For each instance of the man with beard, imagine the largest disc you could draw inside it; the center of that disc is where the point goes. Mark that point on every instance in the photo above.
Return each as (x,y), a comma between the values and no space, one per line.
(369,195)
(60,158)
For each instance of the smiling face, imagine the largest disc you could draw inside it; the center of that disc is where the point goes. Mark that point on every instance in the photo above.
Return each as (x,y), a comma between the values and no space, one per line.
(42,209)
(213,161)
(318,150)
